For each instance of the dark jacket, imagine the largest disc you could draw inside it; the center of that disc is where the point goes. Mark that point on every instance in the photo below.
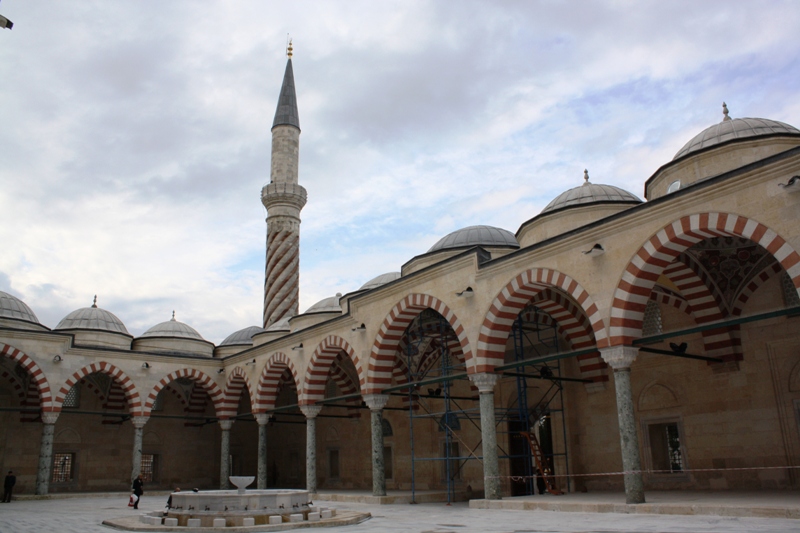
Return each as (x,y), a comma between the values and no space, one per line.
(10,481)
(138,487)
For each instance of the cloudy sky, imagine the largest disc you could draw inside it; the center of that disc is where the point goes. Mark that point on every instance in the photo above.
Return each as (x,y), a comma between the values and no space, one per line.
(135,136)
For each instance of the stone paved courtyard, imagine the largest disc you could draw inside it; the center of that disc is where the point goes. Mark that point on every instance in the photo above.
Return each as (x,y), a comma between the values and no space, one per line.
(84,514)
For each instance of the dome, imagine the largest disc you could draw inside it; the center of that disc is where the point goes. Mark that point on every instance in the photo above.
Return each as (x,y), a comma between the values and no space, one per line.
(383,279)
(327,305)
(476,236)
(93,318)
(589,193)
(243,336)
(734,129)
(13,307)
(173,328)
(280,325)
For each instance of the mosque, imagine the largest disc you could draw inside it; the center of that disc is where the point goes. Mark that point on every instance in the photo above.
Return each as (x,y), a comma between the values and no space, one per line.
(610,343)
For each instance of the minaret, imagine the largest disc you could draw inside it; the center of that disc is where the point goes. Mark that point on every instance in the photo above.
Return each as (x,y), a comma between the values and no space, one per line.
(283,198)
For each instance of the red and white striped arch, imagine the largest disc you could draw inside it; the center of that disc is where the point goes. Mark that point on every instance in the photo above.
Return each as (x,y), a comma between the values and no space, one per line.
(236,383)
(27,398)
(752,286)
(384,349)
(661,249)
(37,376)
(514,297)
(316,376)
(126,384)
(270,381)
(346,384)
(200,378)
(667,297)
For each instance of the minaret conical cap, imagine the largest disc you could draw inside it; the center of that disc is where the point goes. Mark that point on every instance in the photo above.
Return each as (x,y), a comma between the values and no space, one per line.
(286,114)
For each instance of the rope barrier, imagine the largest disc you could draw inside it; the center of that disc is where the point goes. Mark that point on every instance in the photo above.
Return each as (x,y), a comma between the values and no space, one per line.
(624,473)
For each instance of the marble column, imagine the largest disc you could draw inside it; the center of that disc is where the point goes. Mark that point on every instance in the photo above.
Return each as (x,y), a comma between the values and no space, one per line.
(620,359)
(491,470)
(46,452)
(376,403)
(311,412)
(225,454)
(136,460)
(263,420)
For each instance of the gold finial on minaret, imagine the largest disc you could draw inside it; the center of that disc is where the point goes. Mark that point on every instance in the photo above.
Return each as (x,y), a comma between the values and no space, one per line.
(289,47)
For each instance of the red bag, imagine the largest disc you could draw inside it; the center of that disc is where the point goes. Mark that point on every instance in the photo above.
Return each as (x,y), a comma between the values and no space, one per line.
(132,501)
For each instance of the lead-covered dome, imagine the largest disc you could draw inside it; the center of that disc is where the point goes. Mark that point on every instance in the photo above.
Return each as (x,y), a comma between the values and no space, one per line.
(734,129)
(173,328)
(383,279)
(93,318)
(243,336)
(326,305)
(590,193)
(13,307)
(476,236)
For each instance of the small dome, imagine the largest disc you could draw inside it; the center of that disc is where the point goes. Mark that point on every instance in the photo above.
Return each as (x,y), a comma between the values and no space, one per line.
(173,328)
(476,236)
(93,318)
(280,325)
(13,307)
(243,336)
(383,279)
(327,305)
(737,128)
(589,193)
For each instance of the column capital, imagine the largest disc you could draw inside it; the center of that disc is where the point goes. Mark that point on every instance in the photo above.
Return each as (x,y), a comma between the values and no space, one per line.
(262,418)
(139,421)
(484,381)
(50,417)
(226,424)
(311,411)
(619,357)
(376,402)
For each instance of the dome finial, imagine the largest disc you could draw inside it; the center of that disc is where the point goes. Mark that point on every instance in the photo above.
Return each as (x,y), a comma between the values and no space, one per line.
(586,177)
(173,316)
(725,112)
(289,47)
(94,302)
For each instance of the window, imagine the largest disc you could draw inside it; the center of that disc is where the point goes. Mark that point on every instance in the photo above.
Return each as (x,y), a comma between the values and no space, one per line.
(453,462)
(63,467)
(73,398)
(388,471)
(386,427)
(674,186)
(148,468)
(158,404)
(333,464)
(449,420)
(665,448)
(651,323)
(790,297)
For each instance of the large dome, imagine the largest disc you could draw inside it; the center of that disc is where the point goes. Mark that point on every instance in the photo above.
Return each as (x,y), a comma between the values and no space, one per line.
(93,318)
(383,279)
(736,128)
(243,336)
(173,328)
(476,236)
(280,325)
(326,305)
(13,307)
(589,193)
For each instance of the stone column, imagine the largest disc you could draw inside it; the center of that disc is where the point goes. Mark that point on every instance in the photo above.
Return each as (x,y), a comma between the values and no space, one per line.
(262,419)
(46,452)
(136,460)
(224,454)
(376,403)
(311,412)
(620,359)
(491,470)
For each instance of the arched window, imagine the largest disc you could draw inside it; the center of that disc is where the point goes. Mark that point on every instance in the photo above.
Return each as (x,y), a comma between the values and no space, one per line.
(387,428)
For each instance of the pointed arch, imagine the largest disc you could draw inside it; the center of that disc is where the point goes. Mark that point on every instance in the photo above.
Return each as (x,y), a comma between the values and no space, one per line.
(208,385)
(126,384)
(512,299)
(381,360)
(316,375)
(270,380)
(36,373)
(237,382)
(752,286)
(650,261)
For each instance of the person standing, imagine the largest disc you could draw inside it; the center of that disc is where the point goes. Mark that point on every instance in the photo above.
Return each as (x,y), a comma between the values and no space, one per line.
(8,486)
(138,490)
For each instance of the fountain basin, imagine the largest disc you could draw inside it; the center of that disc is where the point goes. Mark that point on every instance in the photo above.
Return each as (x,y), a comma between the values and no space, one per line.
(234,507)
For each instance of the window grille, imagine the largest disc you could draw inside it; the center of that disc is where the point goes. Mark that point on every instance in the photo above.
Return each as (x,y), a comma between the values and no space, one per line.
(73,398)
(63,465)
(651,324)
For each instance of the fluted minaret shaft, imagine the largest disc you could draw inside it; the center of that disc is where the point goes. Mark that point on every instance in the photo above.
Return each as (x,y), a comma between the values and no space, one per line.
(283,198)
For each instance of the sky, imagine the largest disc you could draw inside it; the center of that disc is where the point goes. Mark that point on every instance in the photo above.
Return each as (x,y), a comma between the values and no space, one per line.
(135,135)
